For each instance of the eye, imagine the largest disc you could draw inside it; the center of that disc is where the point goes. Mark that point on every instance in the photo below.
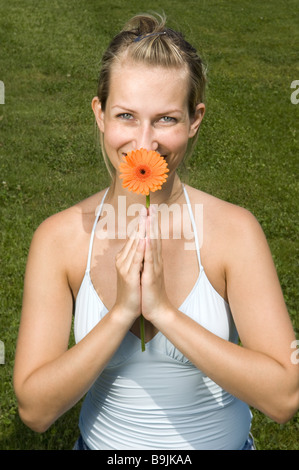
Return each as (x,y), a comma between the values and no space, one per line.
(168,119)
(125,116)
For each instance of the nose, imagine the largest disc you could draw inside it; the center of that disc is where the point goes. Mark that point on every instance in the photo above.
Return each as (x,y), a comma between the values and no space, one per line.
(146,137)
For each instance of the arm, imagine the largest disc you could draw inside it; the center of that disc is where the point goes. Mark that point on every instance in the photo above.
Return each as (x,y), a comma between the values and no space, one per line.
(261,372)
(49,378)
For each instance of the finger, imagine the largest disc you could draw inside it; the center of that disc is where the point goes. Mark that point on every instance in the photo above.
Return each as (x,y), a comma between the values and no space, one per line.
(133,229)
(142,223)
(123,253)
(159,245)
(136,264)
(126,254)
(150,249)
(155,235)
(153,219)
(136,249)
(148,269)
(133,256)
(159,238)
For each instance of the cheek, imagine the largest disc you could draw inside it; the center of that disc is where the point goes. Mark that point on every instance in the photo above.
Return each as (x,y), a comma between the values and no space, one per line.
(113,136)
(177,145)
(178,140)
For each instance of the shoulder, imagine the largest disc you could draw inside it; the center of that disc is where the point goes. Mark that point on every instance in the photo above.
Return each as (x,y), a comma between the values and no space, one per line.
(65,229)
(229,229)
(224,215)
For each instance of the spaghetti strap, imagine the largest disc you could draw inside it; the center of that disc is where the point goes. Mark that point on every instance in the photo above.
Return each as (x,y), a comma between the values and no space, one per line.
(193,226)
(93,231)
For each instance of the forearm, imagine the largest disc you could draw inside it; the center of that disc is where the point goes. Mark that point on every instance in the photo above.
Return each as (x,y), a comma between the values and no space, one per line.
(55,387)
(251,376)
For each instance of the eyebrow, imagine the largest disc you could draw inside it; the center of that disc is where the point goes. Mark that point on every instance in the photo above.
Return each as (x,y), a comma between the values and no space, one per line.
(164,113)
(171,111)
(122,107)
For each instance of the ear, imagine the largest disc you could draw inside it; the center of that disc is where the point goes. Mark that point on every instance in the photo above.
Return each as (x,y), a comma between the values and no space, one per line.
(98,112)
(196,120)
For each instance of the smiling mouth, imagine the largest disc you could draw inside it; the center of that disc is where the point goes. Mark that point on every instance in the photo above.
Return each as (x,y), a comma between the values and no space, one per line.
(124,154)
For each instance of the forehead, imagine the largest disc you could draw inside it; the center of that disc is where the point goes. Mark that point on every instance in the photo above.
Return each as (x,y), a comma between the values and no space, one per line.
(139,82)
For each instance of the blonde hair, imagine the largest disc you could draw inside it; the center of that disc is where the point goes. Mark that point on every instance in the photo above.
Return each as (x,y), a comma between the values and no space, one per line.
(146,39)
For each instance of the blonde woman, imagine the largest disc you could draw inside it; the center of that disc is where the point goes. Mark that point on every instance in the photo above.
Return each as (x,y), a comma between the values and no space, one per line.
(192,386)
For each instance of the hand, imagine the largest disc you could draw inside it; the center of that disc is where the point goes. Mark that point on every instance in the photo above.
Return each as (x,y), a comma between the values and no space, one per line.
(129,265)
(154,297)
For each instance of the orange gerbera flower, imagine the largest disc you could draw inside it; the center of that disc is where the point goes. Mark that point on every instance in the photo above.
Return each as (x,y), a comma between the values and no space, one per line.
(143,171)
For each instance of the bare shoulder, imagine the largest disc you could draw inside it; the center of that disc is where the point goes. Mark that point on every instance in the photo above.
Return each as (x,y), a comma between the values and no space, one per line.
(227,218)
(231,234)
(69,222)
(65,231)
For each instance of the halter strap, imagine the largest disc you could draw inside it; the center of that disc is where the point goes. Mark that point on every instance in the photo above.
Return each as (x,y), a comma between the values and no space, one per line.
(93,230)
(193,225)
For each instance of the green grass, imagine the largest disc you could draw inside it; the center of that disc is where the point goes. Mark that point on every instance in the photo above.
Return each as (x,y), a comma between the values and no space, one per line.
(247,152)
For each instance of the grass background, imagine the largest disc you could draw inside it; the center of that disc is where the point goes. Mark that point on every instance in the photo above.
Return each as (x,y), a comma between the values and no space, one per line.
(247,152)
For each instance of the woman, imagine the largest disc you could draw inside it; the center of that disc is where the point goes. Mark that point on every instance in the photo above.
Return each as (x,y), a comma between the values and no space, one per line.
(191,387)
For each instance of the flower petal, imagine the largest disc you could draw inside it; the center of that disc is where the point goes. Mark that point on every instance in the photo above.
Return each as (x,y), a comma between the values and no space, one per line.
(143,171)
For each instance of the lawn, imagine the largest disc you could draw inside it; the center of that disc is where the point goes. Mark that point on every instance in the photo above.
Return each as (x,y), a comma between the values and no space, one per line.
(247,152)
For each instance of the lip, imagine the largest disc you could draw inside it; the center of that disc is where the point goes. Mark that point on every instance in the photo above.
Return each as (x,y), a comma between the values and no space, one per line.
(124,154)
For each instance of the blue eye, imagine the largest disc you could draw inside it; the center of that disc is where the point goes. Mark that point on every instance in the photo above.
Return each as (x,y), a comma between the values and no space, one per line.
(125,116)
(168,119)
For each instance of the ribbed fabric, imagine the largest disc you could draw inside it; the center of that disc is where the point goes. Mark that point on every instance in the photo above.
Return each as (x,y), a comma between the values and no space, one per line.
(158,399)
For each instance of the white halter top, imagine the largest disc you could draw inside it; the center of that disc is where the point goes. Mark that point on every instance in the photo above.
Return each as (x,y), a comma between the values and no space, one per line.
(158,399)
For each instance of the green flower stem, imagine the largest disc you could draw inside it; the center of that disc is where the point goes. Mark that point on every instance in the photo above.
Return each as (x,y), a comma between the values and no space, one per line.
(142,332)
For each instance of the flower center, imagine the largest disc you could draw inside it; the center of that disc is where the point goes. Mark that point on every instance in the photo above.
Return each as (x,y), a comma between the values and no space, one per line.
(143,172)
